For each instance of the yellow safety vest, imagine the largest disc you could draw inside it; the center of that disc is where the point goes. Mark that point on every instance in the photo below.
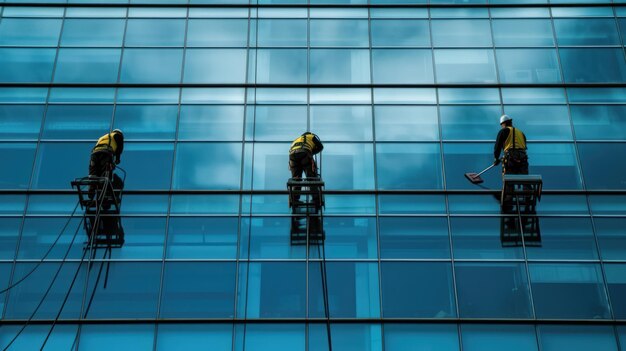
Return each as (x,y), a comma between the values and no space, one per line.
(520,140)
(303,142)
(106,142)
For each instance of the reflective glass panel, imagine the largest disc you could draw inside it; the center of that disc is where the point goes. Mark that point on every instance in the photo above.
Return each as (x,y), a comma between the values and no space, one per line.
(339,32)
(616,283)
(26,65)
(599,122)
(281,66)
(461,32)
(152,65)
(77,121)
(580,65)
(29,32)
(282,32)
(155,32)
(121,337)
(339,66)
(565,238)
(405,33)
(349,237)
(402,66)
(202,237)
(207,166)
(480,237)
(146,121)
(465,66)
(282,123)
(494,337)
(194,337)
(587,31)
(337,123)
(93,32)
(414,237)
(409,166)
(577,338)
(215,66)
(406,123)
(211,122)
(522,32)
(600,171)
(542,122)
(611,237)
(436,337)
(275,290)
(9,234)
(528,66)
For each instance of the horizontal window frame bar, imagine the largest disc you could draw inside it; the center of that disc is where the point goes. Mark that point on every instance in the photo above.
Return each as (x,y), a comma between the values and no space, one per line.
(311,86)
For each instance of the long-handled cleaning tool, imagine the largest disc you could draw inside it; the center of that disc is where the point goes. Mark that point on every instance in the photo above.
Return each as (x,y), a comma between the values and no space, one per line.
(475,177)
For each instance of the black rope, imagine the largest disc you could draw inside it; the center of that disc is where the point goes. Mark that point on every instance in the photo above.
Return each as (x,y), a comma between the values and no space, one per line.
(46,254)
(56,275)
(93,292)
(325,289)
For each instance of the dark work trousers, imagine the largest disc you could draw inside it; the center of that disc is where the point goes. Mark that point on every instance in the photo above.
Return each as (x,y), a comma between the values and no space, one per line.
(301,162)
(510,167)
(100,164)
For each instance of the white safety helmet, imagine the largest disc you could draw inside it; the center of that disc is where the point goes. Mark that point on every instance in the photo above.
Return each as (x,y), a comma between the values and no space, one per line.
(505,118)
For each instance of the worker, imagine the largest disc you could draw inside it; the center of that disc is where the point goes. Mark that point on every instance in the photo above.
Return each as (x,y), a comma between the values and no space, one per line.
(301,156)
(513,142)
(105,155)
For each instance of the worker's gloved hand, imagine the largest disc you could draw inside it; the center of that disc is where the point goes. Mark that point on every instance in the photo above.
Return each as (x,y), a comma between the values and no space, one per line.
(496,162)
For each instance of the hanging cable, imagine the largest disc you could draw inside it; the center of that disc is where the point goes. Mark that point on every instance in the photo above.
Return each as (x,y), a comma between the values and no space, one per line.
(45,255)
(324,275)
(56,275)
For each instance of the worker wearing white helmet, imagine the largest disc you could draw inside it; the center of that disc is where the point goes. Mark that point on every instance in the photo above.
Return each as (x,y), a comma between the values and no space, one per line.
(513,142)
(106,154)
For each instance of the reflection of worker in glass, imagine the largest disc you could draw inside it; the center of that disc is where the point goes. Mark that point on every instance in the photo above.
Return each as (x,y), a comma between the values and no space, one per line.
(301,155)
(513,142)
(105,155)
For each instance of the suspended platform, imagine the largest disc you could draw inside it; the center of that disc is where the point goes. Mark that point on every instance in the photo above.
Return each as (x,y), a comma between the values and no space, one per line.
(520,193)
(306,200)
(101,199)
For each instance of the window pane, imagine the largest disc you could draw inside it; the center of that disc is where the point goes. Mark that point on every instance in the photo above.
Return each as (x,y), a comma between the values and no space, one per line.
(493,290)
(461,33)
(398,165)
(277,337)
(215,66)
(580,65)
(121,337)
(20,157)
(616,282)
(152,65)
(339,66)
(565,238)
(39,234)
(353,290)
(202,237)
(406,123)
(269,238)
(465,66)
(472,122)
(557,165)
(528,66)
(281,66)
(93,32)
(348,166)
(26,65)
(276,290)
(493,337)
(543,122)
(30,32)
(77,121)
(572,291)
(593,32)
(87,66)
(480,238)
(599,122)
(577,338)
(151,32)
(349,237)
(279,123)
(146,121)
(207,166)
(411,204)
(346,337)
(406,296)
(198,290)
(282,32)
(337,123)
(611,237)
(436,337)
(204,204)
(9,234)
(339,32)
(522,32)
(217,32)
(213,122)
(601,172)
(402,66)
(144,164)
(143,238)
(194,337)
(269,166)
(400,33)
(414,237)
(34,335)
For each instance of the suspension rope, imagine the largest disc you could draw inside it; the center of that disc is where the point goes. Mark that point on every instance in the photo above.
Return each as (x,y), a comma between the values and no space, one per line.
(46,254)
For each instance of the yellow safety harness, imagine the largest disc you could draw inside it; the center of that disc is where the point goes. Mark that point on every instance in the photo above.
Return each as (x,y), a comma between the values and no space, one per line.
(515,140)
(106,143)
(302,143)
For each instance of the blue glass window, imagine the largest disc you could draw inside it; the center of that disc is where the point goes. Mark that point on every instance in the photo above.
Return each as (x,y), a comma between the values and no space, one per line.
(9,234)
(461,32)
(93,32)
(611,237)
(215,66)
(479,238)
(194,337)
(281,66)
(580,65)
(77,121)
(339,32)
(152,65)
(282,123)
(402,66)
(144,164)
(217,32)
(212,122)
(600,171)
(437,337)
(409,166)
(278,337)
(493,290)
(496,337)
(275,290)
(541,122)
(146,121)
(353,290)
(577,338)
(557,165)
(337,123)
(27,126)
(20,157)
(338,66)
(592,32)
(33,337)
(528,66)
(406,296)
(414,237)
(155,32)
(599,122)
(207,166)
(87,65)
(347,166)
(202,237)
(405,33)
(469,122)
(406,123)
(411,204)
(38,235)
(143,238)
(349,237)
(268,169)
(522,32)
(29,32)
(616,282)
(282,32)
(121,337)
(565,238)
(347,337)
(26,65)
(198,290)
(572,291)
(465,66)
(54,169)
(268,238)
(12,204)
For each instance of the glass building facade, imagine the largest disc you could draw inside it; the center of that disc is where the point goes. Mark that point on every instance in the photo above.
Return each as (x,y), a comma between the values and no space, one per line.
(405,94)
